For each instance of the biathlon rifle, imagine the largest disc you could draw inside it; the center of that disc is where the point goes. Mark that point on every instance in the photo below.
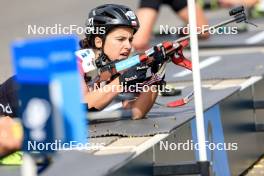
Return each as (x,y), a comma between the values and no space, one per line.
(174,51)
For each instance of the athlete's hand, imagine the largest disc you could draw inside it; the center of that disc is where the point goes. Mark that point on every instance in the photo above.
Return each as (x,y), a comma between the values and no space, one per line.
(159,58)
(11,135)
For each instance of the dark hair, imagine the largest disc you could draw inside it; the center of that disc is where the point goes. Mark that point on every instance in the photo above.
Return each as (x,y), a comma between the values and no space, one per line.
(84,43)
(89,43)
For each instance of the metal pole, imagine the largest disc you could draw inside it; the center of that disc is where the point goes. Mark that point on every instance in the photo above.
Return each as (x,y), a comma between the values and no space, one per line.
(197,81)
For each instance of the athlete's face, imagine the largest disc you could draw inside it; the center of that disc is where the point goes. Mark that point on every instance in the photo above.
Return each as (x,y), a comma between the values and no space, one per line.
(118,43)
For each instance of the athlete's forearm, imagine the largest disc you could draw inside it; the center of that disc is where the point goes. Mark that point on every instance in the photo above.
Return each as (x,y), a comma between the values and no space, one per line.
(142,105)
(99,98)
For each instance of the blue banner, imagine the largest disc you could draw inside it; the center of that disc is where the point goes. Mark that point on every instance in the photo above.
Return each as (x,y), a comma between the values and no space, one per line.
(50,93)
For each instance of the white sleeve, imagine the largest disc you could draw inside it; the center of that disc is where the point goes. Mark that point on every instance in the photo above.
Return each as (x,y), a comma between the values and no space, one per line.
(86,59)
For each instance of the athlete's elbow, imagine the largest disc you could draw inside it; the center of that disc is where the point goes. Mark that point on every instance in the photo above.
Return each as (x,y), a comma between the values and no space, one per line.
(137,114)
(204,36)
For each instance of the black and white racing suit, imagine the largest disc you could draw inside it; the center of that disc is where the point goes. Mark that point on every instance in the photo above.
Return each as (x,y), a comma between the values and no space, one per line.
(9,98)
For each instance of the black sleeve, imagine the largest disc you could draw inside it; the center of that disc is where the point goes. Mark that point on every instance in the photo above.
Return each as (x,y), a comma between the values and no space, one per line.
(154,4)
(9,98)
(176,5)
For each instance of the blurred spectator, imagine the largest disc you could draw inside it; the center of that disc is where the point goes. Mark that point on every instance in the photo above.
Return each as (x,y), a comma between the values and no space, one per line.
(10,129)
(148,13)
(228,3)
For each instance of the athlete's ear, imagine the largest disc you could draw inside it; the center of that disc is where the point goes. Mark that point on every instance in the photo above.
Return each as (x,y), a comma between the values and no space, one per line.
(98,42)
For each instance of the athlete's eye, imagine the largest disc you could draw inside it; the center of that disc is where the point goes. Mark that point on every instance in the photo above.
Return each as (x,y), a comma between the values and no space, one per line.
(121,39)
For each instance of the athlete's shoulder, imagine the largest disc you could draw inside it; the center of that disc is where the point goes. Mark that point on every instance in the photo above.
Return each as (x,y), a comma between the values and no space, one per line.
(85,54)
(86,59)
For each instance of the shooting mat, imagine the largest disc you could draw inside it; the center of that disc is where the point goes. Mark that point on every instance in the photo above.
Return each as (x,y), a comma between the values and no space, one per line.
(160,119)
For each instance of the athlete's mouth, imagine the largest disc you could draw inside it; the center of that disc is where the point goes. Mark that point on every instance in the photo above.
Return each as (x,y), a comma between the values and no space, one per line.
(125,54)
